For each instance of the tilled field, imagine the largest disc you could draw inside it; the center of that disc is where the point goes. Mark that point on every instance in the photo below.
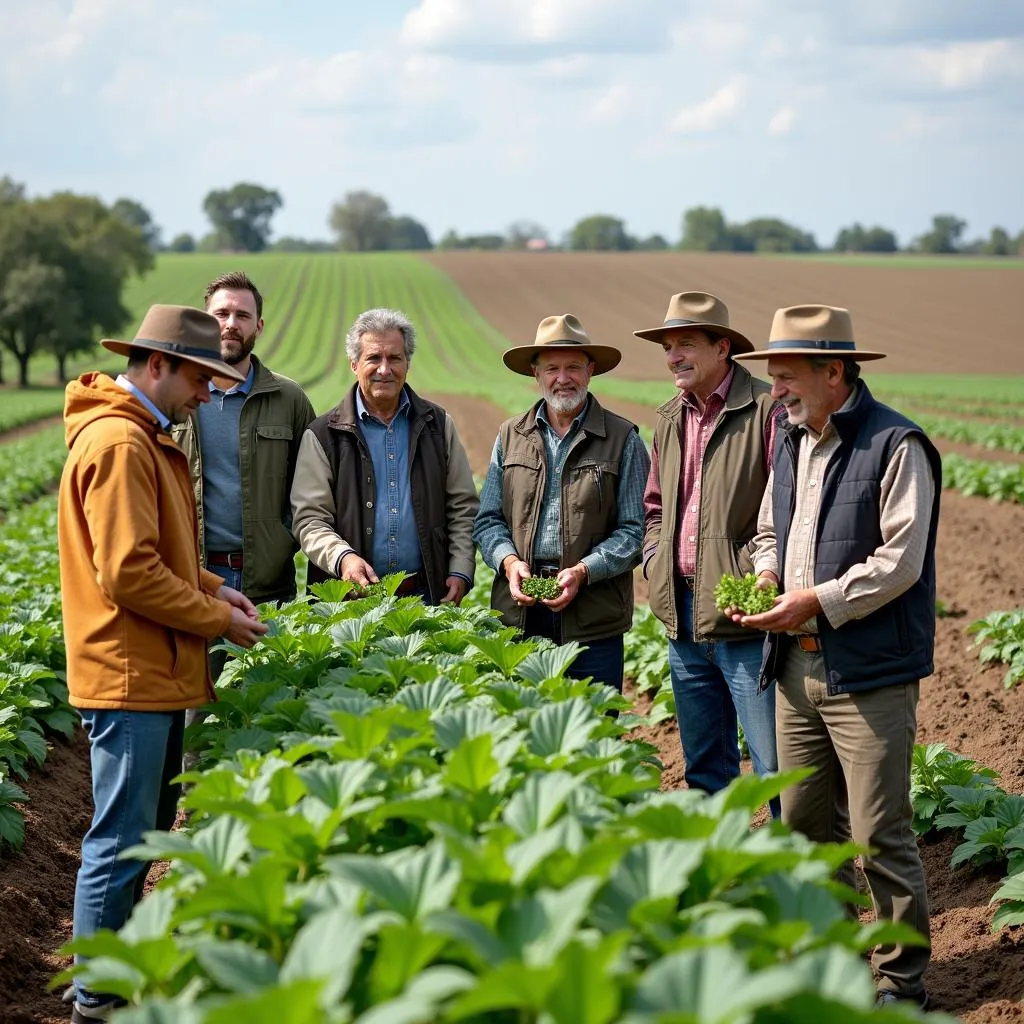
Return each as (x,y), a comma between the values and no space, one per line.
(941,320)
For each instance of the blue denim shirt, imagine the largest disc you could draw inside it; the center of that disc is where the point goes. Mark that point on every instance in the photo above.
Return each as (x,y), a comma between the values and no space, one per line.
(396,544)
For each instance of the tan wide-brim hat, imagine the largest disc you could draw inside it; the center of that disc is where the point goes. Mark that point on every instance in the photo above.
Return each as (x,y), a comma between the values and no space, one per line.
(560,332)
(811,330)
(701,310)
(180,331)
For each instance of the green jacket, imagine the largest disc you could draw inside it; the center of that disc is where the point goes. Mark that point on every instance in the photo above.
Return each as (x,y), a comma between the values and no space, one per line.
(274,417)
(733,478)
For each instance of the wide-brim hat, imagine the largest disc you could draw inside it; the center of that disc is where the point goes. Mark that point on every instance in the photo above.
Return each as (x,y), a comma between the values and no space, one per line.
(181,331)
(560,332)
(811,330)
(703,311)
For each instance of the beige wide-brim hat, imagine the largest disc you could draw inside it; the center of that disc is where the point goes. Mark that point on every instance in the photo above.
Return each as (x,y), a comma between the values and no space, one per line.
(180,331)
(560,332)
(701,310)
(812,330)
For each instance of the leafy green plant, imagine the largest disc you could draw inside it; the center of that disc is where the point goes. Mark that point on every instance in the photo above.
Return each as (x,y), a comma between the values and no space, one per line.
(1001,638)
(1000,481)
(746,593)
(544,588)
(934,769)
(1011,897)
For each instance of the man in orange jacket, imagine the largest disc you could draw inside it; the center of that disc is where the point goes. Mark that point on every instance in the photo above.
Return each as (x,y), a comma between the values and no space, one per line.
(138,607)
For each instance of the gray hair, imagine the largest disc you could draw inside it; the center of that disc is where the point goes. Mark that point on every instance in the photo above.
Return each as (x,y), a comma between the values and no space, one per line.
(379,321)
(851,368)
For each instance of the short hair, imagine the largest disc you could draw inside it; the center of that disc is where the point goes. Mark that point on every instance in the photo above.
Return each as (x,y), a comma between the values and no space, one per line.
(237,280)
(851,368)
(379,321)
(138,357)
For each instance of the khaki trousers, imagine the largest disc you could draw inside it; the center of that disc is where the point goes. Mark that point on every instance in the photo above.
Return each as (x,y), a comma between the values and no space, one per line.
(861,745)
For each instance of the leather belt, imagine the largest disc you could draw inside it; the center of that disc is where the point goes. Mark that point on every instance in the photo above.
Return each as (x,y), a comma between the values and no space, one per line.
(417,581)
(229,559)
(546,570)
(809,643)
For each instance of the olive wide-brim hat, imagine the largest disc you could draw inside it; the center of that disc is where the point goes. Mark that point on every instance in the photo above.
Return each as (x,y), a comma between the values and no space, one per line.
(812,330)
(181,331)
(560,332)
(703,311)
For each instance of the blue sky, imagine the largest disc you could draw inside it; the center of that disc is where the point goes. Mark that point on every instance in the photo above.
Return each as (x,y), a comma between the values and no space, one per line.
(472,114)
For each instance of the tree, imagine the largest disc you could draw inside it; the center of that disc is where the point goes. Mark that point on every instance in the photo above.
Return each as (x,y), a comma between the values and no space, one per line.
(291,244)
(182,243)
(999,243)
(521,233)
(137,216)
(705,230)
(241,215)
(769,234)
(944,236)
(11,191)
(362,222)
(408,234)
(600,232)
(653,243)
(857,238)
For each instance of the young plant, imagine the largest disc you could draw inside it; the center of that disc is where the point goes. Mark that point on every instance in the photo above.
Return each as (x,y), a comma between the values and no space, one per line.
(1002,634)
(934,769)
(745,593)
(543,588)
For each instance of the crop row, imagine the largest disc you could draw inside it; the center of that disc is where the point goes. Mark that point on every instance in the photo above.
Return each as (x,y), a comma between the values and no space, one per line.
(407,814)
(996,436)
(1000,481)
(21,407)
(33,694)
(30,465)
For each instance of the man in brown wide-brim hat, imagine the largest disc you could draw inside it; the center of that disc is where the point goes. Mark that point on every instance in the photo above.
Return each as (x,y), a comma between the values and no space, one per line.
(563,499)
(847,530)
(138,606)
(709,467)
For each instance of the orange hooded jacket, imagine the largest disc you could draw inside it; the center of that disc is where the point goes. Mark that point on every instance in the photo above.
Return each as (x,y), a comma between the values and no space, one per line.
(138,607)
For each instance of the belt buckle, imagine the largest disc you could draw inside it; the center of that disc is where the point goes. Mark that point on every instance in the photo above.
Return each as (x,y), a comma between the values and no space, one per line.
(808,643)
(548,571)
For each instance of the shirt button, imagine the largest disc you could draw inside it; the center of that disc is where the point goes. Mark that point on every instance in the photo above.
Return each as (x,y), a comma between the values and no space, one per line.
(693,508)
(811,483)
(693,540)
(393,484)
(391,456)
(394,511)
(799,572)
(807,522)
(369,504)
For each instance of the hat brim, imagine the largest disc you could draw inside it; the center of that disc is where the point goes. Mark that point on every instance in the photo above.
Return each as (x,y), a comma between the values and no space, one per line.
(217,366)
(520,359)
(739,342)
(774,353)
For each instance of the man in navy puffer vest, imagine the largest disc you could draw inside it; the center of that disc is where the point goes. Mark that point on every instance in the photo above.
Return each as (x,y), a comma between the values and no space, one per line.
(847,529)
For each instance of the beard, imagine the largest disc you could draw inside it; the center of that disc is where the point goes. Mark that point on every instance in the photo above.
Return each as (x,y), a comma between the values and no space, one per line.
(236,348)
(566,400)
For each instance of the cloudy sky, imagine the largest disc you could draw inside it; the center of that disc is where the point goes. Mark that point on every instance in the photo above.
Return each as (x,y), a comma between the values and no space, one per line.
(474,113)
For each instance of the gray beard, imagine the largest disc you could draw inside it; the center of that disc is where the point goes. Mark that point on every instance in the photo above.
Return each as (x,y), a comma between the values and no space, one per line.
(565,404)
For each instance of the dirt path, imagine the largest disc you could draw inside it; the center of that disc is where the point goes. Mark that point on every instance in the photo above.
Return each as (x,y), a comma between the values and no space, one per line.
(28,429)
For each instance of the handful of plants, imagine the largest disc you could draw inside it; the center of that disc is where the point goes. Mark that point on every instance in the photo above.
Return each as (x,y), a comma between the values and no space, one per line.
(372,590)
(544,588)
(744,594)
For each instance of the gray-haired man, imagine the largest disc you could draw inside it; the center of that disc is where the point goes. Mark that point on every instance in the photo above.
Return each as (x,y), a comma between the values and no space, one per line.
(382,483)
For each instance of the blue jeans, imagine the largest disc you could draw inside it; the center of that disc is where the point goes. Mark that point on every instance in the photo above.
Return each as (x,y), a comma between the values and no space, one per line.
(134,755)
(713,684)
(603,660)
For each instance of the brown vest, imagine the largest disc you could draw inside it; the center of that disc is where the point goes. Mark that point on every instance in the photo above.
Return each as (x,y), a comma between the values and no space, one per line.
(733,479)
(343,443)
(590,483)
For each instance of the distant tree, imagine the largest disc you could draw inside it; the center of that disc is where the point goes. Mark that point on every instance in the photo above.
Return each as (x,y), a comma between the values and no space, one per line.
(137,216)
(705,230)
(408,234)
(488,242)
(519,234)
(449,240)
(182,243)
(241,215)
(857,238)
(769,234)
(653,243)
(999,243)
(213,241)
(362,222)
(1018,245)
(11,191)
(600,232)
(945,235)
(290,244)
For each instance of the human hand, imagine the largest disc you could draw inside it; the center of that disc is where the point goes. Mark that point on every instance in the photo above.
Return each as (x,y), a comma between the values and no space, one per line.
(790,611)
(238,600)
(243,630)
(456,590)
(357,570)
(516,570)
(570,580)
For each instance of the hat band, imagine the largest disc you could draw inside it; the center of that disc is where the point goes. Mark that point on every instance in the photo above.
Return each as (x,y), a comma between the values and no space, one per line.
(178,349)
(827,346)
(689,323)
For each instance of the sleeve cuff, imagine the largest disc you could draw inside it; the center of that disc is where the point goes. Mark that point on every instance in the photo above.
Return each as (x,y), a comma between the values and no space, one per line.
(462,576)
(595,567)
(834,605)
(501,552)
(767,563)
(338,561)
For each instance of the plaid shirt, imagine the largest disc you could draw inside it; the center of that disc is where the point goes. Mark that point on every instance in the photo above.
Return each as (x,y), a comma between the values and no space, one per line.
(697,428)
(619,552)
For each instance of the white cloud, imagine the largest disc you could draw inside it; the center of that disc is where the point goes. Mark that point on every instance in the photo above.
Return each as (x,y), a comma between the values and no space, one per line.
(968,65)
(782,121)
(713,112)
(613,104)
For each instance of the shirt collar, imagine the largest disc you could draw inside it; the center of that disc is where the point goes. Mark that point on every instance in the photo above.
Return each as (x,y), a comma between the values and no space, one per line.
(364,414)
(829,427)
(243,388)
(722,391)
(161,418)
(542,414)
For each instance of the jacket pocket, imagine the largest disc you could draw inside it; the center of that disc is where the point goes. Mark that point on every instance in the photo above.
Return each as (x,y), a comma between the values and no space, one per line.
(273,449)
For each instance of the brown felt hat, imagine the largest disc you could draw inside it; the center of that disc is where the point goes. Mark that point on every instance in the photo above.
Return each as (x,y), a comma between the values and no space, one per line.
(701,310)
(180,331)
(811,330)
(560,332)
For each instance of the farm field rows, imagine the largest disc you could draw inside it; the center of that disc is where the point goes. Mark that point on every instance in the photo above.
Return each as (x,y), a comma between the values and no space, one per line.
(311,300)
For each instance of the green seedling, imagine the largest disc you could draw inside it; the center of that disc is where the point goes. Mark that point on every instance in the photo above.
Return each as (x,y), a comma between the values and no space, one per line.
(745,594)
(544,588)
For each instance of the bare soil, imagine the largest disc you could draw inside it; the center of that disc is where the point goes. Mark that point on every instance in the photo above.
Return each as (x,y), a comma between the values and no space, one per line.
(932,320)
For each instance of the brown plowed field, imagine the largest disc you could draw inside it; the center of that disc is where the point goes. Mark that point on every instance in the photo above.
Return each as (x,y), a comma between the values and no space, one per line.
(937,320)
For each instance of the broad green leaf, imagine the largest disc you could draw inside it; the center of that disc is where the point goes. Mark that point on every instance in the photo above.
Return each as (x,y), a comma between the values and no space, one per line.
(12,827)
(297,1003)
(338,784)
(421,999)
(565,835)
(403,951)
(472,766)
(551,663)
(499,652)
(161,1011)
(433,696)
(561,729)
(326,947)
(468,721)
(585,990)
(509,986)
(536,929)
(150,918)
(540,801)
(482,944)
(236,966)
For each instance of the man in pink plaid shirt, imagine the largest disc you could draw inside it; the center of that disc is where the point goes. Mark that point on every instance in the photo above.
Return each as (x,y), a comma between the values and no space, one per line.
(710,462)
